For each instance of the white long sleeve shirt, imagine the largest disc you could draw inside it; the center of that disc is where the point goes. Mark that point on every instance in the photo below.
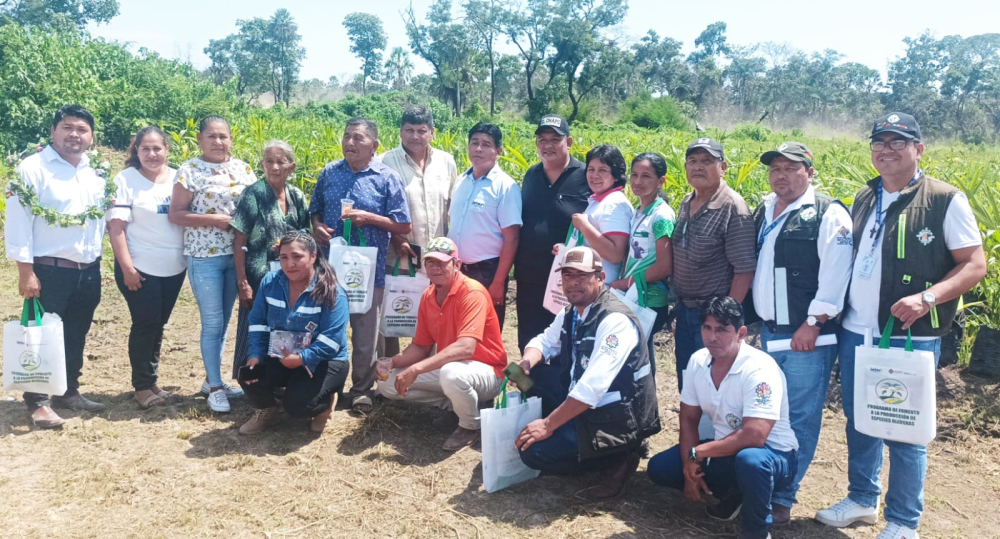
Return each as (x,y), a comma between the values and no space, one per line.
(836,252)
(604,363)
(66,189)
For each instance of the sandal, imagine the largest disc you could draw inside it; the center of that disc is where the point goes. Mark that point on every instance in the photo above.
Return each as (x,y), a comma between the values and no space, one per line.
(151,400)
(163,394)
(361,407)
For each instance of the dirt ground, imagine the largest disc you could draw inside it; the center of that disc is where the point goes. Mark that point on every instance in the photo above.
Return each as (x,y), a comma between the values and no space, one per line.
(182,471)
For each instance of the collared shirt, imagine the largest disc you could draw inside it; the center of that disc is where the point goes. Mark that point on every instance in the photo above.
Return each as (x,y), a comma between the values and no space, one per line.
(467,311)
(375,189)
(327,326)
(611,214)
(428,193)
(155,244)
(649,226)
(606,361)
(65,189)
(258,216)
(546,213)
(836,253)
(712,245)
(754,387)
(215,188)
(480,209)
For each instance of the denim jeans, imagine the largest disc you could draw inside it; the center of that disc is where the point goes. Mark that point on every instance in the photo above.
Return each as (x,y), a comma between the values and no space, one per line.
(807,376)
(688,338)
(904,501)
(560,454)
(752,474)
(213,281)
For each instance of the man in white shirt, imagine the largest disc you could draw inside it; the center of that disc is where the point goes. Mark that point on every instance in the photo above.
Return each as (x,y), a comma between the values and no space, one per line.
(804,258)
(742,391)
(485,216)
(917,249)
(602,378)
(428,176)
(60,265)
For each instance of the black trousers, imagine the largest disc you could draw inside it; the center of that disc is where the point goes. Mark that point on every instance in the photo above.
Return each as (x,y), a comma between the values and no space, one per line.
(483,272)
(73,294)
(532,318)
(150,307)
(305,396)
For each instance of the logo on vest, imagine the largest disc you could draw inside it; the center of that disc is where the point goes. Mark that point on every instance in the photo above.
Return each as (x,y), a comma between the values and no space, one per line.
(808,214)
(584,361)
(311,326)
(925,236)
(844,237)
(610,344)
(734,422)
(763,391)
(891,391)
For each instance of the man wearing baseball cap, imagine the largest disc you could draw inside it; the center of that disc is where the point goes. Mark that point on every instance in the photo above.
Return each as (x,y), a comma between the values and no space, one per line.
(456,314)
(917,249)
(804,258)
(551,192)
(713,245)
(603,377)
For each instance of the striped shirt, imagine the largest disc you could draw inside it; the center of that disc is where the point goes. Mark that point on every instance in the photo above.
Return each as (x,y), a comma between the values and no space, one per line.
(712,245)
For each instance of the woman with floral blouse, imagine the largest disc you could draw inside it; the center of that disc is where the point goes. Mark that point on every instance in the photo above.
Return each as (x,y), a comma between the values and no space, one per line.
(204,199)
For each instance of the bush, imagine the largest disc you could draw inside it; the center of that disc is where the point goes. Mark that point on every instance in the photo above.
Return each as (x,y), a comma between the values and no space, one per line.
(755,132)
(656,113)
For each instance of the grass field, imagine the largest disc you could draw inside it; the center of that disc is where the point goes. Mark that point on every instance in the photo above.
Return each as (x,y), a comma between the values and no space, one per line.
(182,471)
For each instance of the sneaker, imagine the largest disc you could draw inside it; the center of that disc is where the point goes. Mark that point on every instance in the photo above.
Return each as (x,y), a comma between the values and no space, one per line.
(226,388)
(895,531)
(727,509)
(847,512)
(262,418)
(218,401)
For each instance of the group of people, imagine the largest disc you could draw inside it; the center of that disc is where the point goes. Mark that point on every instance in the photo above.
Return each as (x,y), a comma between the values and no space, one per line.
(817,274)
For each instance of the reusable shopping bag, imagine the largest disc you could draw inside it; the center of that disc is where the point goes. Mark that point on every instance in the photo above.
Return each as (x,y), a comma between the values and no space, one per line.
(501,425)
(401,300)
(355,269)
(554,301)
(34,355)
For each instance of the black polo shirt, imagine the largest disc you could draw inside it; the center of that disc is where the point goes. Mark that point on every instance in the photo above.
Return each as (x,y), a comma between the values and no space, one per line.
(547,211)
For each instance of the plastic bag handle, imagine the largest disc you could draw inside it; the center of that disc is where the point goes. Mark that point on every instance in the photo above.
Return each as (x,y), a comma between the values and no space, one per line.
(887,336)
(501,400)
(39,311)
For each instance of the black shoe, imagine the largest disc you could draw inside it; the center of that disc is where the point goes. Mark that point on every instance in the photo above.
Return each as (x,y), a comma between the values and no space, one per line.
(77,402)
(727,509)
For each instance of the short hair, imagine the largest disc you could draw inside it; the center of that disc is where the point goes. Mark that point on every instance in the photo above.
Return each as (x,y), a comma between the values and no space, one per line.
(656,160)
(416,115)
(211,119)
(132,161)
(75,111)
(285,147)
(724,309)
(613,158)
(370,126)
(487,129)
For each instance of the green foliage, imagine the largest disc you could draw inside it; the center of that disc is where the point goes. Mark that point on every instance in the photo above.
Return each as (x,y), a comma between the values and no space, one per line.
(756,132)
(66,15)
(665,111)
(368,41)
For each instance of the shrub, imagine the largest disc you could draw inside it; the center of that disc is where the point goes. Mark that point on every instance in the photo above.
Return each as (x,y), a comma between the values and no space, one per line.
(656,113)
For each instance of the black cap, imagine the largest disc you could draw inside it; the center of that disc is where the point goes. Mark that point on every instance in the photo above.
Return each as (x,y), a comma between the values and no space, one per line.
(707,144)
(554,122)
(796,151)
(897,122)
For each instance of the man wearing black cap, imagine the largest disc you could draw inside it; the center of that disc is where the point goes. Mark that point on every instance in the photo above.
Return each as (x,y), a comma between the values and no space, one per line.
(804,258)
(917,249)
(552,191)
(713,245)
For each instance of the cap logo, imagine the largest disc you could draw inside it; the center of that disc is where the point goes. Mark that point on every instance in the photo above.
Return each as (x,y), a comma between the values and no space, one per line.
(574,257)
(550,121)
(704,140)
(783,147)
(893,118)
(443,245)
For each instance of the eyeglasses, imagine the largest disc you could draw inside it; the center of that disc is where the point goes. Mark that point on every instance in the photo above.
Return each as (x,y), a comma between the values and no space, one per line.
(894,144)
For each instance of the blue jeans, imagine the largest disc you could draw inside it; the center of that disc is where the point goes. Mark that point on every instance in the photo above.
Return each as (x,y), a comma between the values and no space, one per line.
(213,281)
(688,338)
(807,376)
(904,502)
(753,474)
(560,454)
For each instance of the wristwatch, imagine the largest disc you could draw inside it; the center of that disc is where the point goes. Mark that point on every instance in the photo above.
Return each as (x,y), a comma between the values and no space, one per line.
(928,298)
(693,455)
(812,321)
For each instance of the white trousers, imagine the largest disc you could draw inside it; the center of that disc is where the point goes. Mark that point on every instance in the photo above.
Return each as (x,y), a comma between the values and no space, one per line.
(458,386)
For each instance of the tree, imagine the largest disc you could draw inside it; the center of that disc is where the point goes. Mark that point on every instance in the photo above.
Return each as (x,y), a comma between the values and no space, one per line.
(398,68)
(660,64)
(57,14)
(286,54)
(368,41)
(526,27)
(484,17)
(447,46)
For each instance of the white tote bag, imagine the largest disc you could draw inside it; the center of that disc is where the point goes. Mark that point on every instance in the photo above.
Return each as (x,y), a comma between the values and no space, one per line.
(635,300)
(355,269)
(34,356)
(895,391)
(401,301)
(554,301)
(502,466)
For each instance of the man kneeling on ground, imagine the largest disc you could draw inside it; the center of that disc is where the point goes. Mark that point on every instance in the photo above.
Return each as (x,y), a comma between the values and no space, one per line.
(743,391)
(597,389)
(456,314)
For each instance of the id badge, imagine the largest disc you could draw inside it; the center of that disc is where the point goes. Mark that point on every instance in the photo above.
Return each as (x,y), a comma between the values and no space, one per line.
(867,266)
(275,265)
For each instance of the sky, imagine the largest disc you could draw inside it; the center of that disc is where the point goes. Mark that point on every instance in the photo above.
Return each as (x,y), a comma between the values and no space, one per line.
(868,32)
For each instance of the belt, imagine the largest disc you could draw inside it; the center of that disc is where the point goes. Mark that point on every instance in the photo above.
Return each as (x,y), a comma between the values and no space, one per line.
(63,263)
(485,263)
(693,303)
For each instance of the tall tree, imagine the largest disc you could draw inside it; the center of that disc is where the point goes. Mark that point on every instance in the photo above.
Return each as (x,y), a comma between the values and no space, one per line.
(286,54)
(368,41)
(57,14)
(398,68)
(526,27)
(447,46)
(485,18)
(660,63)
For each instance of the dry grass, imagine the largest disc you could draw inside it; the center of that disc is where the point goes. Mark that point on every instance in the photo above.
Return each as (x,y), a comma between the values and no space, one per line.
(182,471)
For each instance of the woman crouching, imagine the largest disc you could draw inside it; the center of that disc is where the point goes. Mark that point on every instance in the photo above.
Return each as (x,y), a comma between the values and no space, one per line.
(297,338)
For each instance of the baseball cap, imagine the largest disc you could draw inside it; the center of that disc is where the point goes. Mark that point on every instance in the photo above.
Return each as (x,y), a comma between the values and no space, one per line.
(707,144)
(796,151)
(441,248)
(554,122)
(897,122)
(582,258)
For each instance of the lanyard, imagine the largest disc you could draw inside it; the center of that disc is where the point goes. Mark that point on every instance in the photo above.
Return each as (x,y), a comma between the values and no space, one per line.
(880,216)
(572,344)
(767,230)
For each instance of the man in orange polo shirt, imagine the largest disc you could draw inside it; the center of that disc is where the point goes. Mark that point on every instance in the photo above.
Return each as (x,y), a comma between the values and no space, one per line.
(456,314)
